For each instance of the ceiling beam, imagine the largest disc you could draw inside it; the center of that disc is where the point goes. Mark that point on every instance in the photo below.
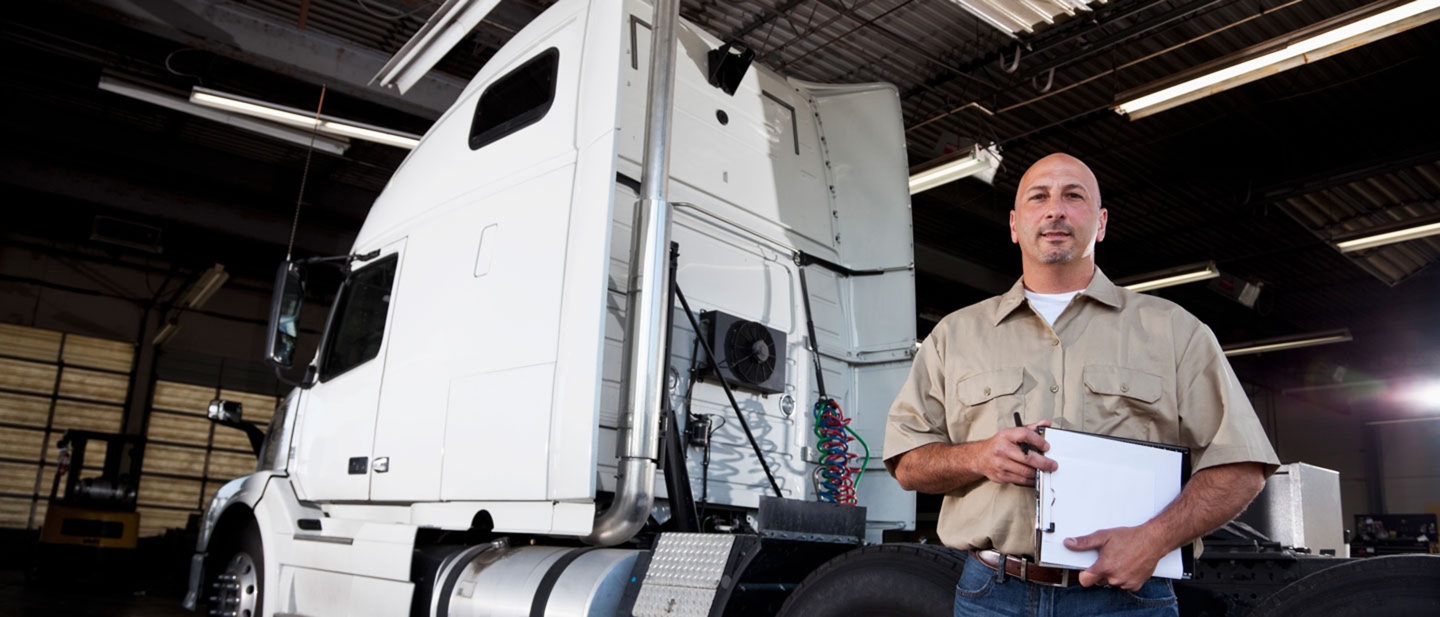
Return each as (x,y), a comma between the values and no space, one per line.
(937,262)
(1353,172)
(232,31)
(166,205)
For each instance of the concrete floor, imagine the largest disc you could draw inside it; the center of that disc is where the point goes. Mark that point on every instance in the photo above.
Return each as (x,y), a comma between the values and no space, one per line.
(81,600)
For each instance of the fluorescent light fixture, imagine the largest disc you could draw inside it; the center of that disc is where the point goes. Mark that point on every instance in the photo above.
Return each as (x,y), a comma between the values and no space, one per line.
(1288,342)
(205,287)
(1012,16)
(166,332)
(1170,277)
(1340,34)
(972,162)
(1388,237)
(299,119)
(307,138)
(378,136)
(450,23)
(1422,395)
(996,15)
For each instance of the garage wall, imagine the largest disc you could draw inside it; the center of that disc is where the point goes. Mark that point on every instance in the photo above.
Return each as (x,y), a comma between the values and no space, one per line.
(96,295)
(1306,432)
(1410,462)
(70,321)
(1334,437)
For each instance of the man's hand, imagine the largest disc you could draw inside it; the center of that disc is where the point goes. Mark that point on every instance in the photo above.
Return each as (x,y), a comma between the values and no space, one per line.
(1127,556)
(942,468)
(1003,460)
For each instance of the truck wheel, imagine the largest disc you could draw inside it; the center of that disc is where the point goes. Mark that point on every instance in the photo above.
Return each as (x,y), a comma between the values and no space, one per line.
(236,585)
(1373,587)
(913,580)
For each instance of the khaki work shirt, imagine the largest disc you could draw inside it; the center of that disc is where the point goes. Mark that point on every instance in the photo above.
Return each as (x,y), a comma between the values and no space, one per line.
(1116,363)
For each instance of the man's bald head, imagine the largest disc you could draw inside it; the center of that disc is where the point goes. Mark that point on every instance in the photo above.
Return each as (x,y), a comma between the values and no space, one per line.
(1060,162)
(1056,221)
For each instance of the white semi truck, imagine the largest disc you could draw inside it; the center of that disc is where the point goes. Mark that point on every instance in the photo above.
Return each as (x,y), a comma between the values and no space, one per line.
(539,313)
(516,409)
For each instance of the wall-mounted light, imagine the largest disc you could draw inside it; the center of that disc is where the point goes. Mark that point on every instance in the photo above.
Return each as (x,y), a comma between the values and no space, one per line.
(1342,33)
(1288,342)
(976,161)
(297,118)
(1374,238)
(306,137)
(1170,277)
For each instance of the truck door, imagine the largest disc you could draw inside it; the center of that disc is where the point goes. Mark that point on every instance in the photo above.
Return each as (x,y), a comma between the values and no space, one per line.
(337,414)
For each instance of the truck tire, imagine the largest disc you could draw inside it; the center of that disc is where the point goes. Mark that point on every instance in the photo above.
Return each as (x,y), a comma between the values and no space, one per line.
(909,580)
(1375,587)
(236,576)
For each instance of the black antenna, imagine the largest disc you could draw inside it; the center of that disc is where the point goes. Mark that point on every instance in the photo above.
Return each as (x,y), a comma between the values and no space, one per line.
(305,174)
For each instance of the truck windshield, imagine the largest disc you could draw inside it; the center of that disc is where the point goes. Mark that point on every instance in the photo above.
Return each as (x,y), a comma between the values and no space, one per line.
(359,324)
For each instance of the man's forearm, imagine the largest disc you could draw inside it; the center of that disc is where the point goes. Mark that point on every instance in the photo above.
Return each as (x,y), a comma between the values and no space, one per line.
(942,468)
(1213,497)
(938,468)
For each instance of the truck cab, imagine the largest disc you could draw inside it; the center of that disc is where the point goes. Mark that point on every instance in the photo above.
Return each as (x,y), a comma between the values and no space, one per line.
(466,422)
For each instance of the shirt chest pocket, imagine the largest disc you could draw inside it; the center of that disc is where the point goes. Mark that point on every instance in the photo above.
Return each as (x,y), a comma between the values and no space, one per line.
(1124,402)
(987,402)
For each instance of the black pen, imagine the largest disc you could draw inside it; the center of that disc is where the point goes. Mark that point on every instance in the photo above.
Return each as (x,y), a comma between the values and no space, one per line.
(1025,448)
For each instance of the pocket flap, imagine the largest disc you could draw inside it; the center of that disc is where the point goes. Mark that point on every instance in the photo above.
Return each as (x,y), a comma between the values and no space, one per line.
(1121,381)
(977,389)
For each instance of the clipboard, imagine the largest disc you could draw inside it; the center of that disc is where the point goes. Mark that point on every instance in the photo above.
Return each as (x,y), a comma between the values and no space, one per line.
(1106,482)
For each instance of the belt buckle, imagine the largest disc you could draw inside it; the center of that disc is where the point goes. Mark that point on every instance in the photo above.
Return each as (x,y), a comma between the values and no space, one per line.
(1064,579)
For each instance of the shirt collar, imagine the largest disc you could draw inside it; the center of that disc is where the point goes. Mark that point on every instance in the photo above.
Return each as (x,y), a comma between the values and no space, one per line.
(1100,289)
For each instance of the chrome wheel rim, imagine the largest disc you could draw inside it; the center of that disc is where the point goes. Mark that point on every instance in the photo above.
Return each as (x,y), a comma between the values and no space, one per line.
(236,589)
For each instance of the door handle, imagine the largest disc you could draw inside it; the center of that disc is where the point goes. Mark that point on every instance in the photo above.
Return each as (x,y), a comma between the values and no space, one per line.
(381,464)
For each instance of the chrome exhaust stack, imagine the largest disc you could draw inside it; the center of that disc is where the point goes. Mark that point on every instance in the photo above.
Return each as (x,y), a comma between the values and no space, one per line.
(648,292)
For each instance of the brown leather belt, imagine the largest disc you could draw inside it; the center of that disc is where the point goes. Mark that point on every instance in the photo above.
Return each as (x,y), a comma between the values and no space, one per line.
(1024,569)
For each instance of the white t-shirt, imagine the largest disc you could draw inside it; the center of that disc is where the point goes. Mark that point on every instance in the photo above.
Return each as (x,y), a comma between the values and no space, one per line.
(1050,305)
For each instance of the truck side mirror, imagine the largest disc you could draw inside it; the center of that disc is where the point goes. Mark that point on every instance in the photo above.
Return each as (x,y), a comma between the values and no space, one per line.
(284,330)
(225,412)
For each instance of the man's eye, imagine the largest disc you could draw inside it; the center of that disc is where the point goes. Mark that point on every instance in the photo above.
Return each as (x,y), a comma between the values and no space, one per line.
(1037,197)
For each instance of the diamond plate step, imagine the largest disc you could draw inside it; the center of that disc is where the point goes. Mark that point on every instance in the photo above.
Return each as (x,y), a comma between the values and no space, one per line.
(685,572)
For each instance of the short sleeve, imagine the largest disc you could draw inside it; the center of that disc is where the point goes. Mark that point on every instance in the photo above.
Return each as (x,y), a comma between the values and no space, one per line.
(1217,422)
(917,417)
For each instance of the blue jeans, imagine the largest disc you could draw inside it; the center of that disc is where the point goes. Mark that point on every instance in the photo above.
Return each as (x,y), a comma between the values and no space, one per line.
(979,595)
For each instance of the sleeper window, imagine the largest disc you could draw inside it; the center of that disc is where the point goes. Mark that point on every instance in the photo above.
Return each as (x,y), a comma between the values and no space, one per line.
(515,101)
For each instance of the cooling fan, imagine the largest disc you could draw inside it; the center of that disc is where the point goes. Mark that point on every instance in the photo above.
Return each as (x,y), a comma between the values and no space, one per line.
(748,354)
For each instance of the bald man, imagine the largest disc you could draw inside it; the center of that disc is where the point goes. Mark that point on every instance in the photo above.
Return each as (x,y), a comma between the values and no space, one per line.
(1065,347)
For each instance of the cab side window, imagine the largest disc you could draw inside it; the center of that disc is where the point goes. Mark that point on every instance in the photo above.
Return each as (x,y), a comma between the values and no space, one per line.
(517,100)
(358,326)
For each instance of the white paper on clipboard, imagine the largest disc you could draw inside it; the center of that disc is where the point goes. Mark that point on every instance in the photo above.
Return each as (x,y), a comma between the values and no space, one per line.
(1102,483)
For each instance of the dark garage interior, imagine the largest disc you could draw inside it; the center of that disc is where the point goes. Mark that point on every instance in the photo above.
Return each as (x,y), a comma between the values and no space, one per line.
(138,259)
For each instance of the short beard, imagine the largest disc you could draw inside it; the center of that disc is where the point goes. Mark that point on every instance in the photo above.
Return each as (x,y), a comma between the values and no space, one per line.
(1056,256)
(1052,256)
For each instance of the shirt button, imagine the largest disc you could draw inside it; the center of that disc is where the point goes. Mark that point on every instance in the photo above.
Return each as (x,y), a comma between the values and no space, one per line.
(987,391)
(1054,342)
(1054,388)
(1123,388)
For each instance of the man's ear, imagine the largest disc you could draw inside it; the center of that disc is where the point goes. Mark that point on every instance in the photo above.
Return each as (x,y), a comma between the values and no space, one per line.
(1014,237)
(1104,220)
